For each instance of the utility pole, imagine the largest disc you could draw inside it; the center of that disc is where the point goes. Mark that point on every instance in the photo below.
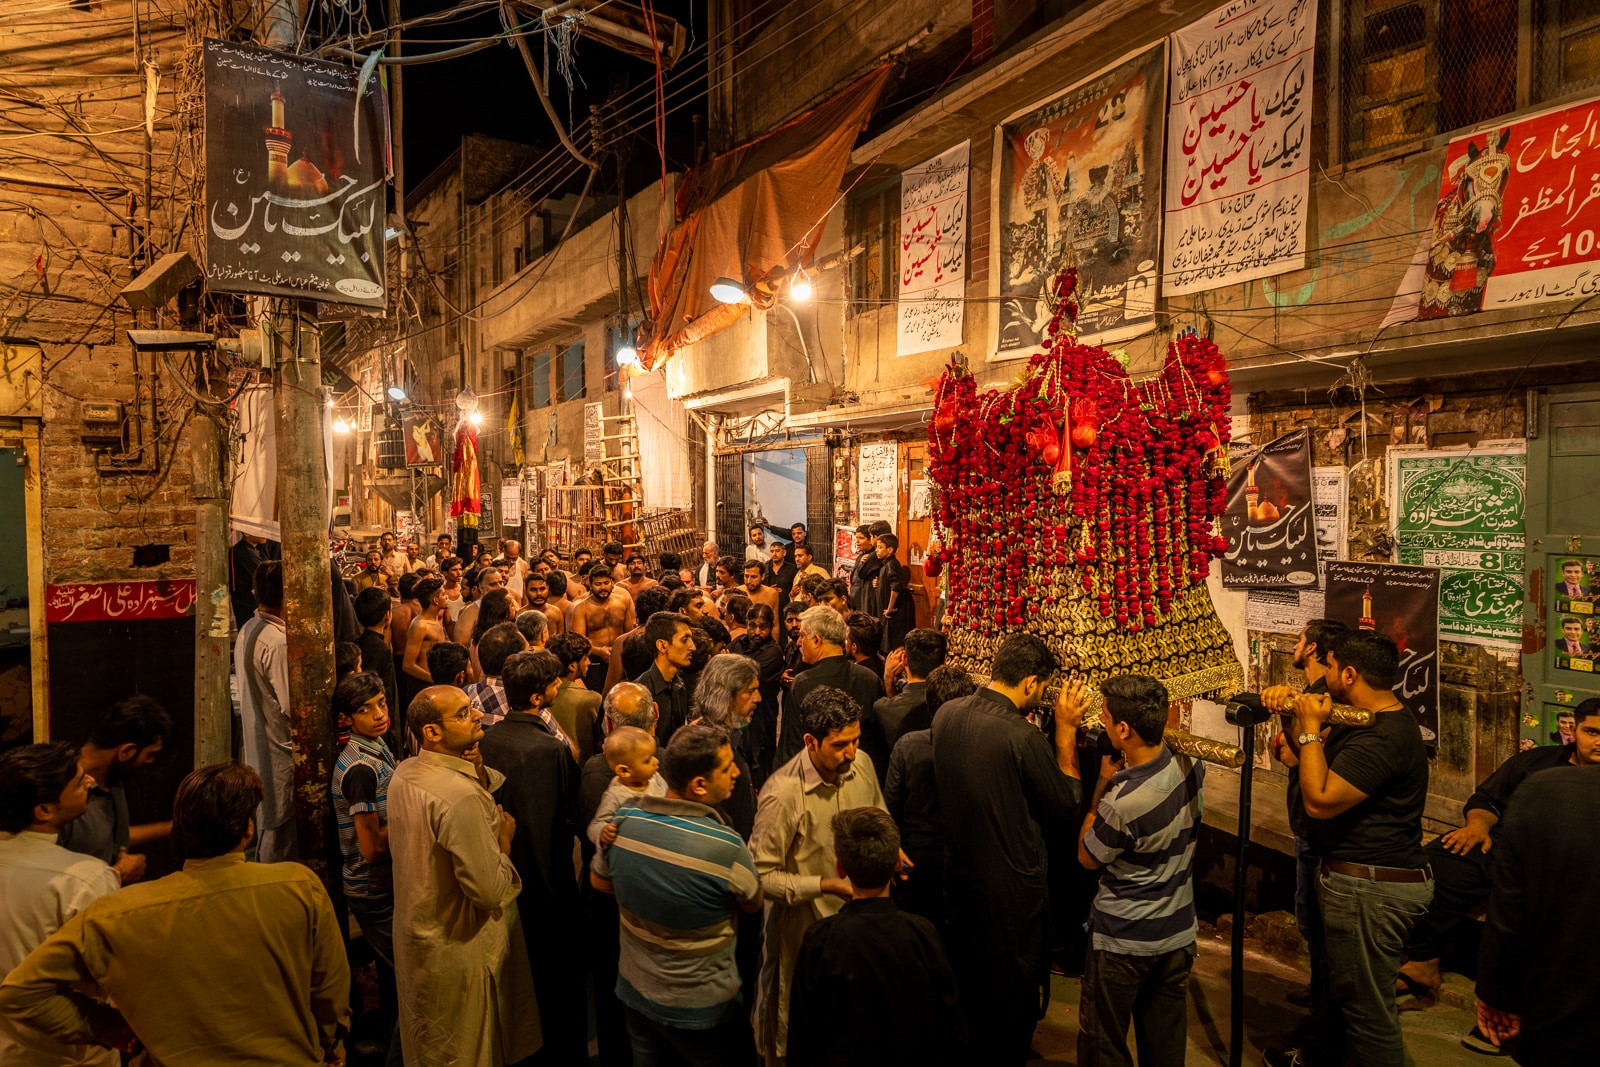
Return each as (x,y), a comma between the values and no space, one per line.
(307,581)
(213,705)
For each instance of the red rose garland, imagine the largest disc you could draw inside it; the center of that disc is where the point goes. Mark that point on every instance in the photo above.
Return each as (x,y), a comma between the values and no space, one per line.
(1078,467)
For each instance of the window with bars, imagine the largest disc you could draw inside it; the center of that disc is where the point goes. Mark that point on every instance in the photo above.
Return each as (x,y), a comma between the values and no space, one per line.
(1568,47)
(875,227)
(1416,68)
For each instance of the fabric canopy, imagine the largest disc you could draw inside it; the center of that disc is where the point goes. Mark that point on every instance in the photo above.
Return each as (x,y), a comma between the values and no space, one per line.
(750,211)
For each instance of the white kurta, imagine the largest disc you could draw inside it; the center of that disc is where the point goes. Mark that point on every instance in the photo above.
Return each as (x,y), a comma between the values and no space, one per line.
(261,660)
(466,991)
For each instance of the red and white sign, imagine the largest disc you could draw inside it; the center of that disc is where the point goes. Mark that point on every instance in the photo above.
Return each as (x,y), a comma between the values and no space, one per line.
(1239,114)
(119,601)
(1517,221)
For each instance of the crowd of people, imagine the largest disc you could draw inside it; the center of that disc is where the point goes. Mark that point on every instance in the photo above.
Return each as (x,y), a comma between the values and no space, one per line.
(718,813)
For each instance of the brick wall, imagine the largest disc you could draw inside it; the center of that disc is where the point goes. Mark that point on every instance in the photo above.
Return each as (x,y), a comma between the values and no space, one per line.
(74,222)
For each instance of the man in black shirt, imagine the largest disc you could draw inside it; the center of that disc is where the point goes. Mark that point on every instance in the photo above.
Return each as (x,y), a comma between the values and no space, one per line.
(999,779)
(671,637)
(1364,789)
(822,636)
(1538,993)
(908,710)
(248,553)
(780,572)
(872,985)
(372,612)
(1310,656)
(1462,864)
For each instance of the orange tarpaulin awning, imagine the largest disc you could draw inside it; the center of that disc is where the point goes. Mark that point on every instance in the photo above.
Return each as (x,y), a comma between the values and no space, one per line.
(750,211)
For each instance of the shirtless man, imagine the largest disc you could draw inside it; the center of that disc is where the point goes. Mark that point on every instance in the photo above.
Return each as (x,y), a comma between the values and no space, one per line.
(612,551)
(537,586)
(602,617)
(490,579)
(726,575)
(638,581)
(754,574)
(426,630)
(401,612)
(450,570)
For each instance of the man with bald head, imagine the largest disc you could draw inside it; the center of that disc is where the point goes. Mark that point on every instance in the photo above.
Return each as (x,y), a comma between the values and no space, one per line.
(459,950)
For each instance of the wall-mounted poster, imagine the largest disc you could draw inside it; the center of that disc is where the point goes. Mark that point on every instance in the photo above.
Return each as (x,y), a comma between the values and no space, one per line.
(1288,610)
(1463,513)
(1239,145)
(933,252)
(1077,180)
(1573,594)
(424,445)
(878,479)
(844,551)
(296,165)
(1401,603)
(1269,521)
(1515,222)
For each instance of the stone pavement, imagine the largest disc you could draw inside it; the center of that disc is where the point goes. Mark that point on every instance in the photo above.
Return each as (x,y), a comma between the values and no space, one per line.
(1432,1034)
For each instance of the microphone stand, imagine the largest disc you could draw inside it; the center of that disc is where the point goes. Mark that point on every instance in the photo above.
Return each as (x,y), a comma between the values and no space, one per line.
(1244,711)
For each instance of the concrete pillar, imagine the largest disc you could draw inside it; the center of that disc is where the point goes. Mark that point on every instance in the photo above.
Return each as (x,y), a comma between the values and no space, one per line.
(307,577)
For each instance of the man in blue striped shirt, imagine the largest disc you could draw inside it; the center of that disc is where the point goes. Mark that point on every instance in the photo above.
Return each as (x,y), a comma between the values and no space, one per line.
(1140,833)
(681,875)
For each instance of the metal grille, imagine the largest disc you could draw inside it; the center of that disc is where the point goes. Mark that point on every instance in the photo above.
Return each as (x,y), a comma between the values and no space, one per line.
(1413,69)
(1566,47)
(730,504)
(819,504)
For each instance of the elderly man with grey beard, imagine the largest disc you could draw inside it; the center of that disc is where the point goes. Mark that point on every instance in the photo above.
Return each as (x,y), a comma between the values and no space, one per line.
(627,704)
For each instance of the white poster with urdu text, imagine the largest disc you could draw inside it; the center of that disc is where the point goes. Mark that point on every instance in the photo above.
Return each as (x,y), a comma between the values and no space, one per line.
(933,251)
(1239,145)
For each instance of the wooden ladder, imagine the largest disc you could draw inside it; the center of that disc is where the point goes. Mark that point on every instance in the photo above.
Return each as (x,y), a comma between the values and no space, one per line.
(622,480)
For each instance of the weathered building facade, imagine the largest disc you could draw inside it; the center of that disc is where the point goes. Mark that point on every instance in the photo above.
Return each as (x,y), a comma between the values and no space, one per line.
(100,175)
(1393,85)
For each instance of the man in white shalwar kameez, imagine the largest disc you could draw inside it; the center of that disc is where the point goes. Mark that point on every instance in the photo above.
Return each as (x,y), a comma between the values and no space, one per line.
(466,991)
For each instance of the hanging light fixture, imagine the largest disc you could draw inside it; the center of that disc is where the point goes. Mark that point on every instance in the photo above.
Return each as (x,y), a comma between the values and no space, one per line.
(476,418)
(800,285)
(340,426)
(396,393)
(728,291)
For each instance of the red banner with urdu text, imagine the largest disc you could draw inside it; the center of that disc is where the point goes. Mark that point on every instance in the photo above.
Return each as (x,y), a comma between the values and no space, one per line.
(1517,221)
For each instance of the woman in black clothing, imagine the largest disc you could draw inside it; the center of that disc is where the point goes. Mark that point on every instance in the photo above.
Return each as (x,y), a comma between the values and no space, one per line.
(894,594)
(758,643)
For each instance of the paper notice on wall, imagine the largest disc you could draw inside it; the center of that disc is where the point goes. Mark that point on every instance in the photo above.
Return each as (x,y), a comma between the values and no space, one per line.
(1286,611)
(511,502)
(1239,145)
(933,251)
(878,478)
(593,446)
(921,505)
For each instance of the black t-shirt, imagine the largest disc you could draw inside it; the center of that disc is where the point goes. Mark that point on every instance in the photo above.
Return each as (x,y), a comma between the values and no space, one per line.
(1388,762)
(1297,808)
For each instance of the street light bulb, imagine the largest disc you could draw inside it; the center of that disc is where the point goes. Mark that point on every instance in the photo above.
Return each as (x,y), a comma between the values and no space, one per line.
(329,402)
(728,291)
(476,418)
(800,288)
(396,393)
(340,426)
(627,356)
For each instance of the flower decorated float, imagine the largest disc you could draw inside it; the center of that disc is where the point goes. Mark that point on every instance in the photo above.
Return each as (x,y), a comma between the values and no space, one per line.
(1081,505)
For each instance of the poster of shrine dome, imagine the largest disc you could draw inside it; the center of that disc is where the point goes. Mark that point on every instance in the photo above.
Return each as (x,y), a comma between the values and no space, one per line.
(296,172)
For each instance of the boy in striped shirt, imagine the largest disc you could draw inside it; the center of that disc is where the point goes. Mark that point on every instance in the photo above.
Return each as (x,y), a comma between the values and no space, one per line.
(360,789)
(1140,834)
